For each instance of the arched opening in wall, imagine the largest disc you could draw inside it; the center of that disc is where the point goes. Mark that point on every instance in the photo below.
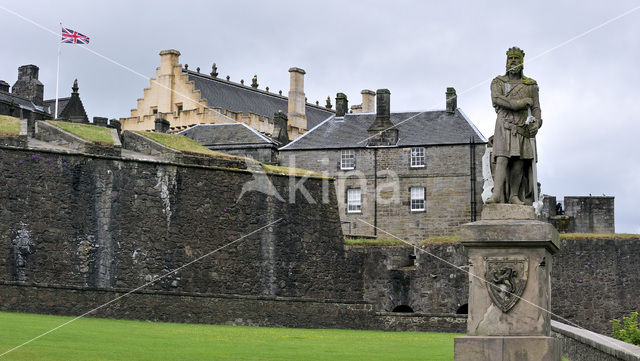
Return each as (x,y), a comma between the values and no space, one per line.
(463,310)
(403,309)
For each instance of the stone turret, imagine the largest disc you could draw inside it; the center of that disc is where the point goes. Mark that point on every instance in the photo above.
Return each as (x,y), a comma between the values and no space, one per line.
(28,86)
(74,111)
(296,115)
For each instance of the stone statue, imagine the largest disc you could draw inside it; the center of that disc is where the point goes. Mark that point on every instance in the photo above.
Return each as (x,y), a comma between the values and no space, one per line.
(515,99)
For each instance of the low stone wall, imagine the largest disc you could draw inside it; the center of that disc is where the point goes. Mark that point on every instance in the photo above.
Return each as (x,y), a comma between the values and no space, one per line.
(141,144)
(583,345)
(54,135)
(246,310)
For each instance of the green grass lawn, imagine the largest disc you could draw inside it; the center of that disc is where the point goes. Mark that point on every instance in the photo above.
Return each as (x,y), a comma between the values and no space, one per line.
(103,339)
(290,171)
(91,133)
(183,144)
(9,125)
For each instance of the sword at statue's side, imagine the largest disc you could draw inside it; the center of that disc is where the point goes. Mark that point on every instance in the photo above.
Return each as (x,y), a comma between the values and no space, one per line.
(537,203)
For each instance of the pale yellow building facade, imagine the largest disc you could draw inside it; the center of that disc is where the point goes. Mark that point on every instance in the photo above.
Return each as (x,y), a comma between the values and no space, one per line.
(176,95)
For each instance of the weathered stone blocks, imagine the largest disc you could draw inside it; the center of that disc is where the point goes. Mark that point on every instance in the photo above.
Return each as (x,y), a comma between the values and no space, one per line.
(510,260)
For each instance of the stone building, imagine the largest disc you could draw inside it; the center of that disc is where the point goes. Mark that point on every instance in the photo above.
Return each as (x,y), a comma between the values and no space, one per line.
(236,139)
(186,98)
(415,174)
(26,100)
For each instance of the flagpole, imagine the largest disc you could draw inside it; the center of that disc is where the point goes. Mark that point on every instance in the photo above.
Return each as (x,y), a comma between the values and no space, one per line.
(55,114)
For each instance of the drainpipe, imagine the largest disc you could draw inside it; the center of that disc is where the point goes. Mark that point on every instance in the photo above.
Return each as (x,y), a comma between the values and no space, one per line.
(375,191)
(472,170)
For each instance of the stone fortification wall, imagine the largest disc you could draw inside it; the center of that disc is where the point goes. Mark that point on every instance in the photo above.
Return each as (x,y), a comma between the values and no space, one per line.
(596,280)
(593,280)
(393,279)
(103,223)
(585,214)
(591,214)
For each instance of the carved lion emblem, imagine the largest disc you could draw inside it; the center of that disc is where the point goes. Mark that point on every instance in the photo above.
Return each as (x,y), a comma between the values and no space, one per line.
(506,280)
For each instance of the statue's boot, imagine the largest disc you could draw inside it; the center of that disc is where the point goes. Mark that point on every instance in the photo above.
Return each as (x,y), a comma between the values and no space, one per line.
(515,200)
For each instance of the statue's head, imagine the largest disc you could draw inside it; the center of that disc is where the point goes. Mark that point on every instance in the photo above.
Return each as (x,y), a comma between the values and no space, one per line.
(515,58)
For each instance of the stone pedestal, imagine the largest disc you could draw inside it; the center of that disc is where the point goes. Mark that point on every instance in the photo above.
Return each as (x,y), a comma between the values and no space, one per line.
(510,254)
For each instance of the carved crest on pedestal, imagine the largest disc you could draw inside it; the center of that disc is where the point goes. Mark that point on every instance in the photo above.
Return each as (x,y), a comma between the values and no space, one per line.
(506,280)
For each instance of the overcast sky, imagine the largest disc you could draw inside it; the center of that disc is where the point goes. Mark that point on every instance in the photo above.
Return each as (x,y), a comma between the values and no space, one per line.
(584,55)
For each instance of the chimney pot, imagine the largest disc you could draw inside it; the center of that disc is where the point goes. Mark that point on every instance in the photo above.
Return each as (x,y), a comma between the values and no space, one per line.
(342,104)
(297,100)
(383,132)
(28,85)
(280,128)
(161,125)
(368,101)
(383,105)
(451,100)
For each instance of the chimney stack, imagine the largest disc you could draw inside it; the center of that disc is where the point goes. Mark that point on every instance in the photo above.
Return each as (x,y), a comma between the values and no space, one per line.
(28,86)
(101,121)
(342,104)
(452,100)
(4,86)
(297,107)
(165,76)
(368,101)
(383,132)
(280,128)
(162,125)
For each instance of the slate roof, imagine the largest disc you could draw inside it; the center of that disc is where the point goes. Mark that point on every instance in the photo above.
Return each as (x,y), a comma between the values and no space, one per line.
(20,102)
(50,105)
(421,129)
(227,134)
(235,97)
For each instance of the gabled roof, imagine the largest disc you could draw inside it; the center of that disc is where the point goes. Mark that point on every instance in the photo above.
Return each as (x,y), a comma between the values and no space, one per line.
(50,105)
(414,129)
(235,97)
(227,134)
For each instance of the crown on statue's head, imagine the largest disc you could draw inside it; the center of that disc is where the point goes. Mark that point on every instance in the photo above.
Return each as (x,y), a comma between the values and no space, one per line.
(515,51)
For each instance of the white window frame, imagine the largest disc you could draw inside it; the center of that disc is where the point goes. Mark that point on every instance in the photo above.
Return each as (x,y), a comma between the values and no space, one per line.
(417,199)
(417,157)
(347,159)
(354,200)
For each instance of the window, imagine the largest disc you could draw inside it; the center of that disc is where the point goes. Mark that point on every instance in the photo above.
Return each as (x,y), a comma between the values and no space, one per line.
(417,157)
(417,199)
(179,108)
(354,200)
(154,110)
(347,159)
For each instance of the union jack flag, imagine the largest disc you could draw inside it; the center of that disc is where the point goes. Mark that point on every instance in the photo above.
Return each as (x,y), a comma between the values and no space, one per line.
(73,37)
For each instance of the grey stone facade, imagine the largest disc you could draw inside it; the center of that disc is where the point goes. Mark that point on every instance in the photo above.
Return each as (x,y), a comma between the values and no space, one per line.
(410,175)
(446,178)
